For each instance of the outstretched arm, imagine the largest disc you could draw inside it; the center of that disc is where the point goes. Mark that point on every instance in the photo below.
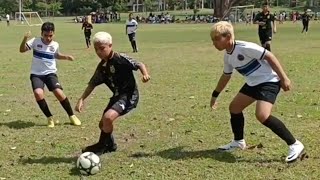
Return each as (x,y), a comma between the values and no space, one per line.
(85,94)
(64,57)
(145,75)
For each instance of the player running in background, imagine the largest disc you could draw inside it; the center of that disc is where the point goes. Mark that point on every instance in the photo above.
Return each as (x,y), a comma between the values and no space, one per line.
(267,26)
(87,27)
(131,30)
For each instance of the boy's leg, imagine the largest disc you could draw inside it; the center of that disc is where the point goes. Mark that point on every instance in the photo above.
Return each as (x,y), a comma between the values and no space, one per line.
(37,86)
(131,41)
(114,110)
(242,100)
(53,85)
(267,96)
(134,42)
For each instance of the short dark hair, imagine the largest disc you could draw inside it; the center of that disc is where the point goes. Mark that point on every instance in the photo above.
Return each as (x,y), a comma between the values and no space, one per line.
(47,26)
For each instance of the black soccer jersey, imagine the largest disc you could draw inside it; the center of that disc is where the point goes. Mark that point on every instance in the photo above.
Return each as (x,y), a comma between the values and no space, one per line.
(305,17)
(87,27)
(267,18)
(117,74)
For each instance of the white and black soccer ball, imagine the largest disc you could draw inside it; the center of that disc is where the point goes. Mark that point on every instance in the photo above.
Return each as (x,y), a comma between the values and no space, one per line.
(89,163)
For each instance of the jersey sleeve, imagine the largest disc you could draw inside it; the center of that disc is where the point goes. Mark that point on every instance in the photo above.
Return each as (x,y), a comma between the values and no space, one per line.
(129,62)
(227,67)
(254,51)
(97,77)
(30,43)
(257,17)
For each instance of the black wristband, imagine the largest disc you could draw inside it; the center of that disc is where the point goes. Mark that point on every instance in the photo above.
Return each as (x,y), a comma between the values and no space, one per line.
(215,94)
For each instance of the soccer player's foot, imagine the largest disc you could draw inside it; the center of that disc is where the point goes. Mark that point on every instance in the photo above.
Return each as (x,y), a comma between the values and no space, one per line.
(50,122)
(74,120)
(100,149)
(233,145)
(295,151)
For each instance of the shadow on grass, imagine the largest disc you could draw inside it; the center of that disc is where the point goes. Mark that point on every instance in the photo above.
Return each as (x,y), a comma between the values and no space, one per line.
(178,153)
(49,160)
(18,124)
(54,160)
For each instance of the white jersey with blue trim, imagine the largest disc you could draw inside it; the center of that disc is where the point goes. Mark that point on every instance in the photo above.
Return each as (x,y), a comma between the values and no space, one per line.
(132,26)
(43,60)
(248,59)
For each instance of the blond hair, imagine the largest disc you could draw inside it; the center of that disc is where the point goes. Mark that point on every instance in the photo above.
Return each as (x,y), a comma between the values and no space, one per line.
(222,28)
(102,37)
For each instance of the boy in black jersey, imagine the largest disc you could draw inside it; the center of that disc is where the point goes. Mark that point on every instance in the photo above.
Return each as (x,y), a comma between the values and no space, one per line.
(266,23)
(87,26)
(305,21)
(116,71)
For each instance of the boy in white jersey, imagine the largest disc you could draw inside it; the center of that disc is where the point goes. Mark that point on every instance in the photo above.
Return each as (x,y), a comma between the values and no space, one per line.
(264,79)
(131,29)
(43,71)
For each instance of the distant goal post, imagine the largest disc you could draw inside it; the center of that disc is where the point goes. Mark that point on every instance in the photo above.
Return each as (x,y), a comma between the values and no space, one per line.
(238,14)
(28,19)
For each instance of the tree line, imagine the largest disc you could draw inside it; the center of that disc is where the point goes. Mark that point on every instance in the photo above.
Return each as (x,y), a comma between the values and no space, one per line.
(78,7)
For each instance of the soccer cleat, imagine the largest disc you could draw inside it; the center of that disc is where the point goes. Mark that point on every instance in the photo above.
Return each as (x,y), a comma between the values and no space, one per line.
(295,151)
(100,149)
(233,145)
(50,122)
(74,120)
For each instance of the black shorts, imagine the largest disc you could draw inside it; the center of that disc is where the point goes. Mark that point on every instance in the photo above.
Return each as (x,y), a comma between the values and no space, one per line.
(265,92)
(265,36)
(87,34)
(132,37)
(123,103)
(50,80)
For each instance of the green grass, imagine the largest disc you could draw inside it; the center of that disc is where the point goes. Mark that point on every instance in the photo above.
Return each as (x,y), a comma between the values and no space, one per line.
(182,63)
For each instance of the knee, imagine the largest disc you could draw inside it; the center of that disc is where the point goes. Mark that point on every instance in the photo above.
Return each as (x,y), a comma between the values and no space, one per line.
(234,108)
(107,120)
(38,94)
(262,116)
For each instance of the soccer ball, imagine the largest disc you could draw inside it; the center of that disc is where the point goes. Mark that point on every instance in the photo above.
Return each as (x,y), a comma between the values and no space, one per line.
(89,163)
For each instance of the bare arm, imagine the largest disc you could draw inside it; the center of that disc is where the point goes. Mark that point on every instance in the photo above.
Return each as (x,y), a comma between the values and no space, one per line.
(222,83)
(276,66)
(144,72)
(64,57)
(87,92)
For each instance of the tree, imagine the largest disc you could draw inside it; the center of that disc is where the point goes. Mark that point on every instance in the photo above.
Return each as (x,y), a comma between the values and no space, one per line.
(55,7)
(221,7)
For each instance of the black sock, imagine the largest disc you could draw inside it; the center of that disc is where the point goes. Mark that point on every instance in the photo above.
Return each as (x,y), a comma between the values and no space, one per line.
(87,42)
(132,45)
(135,45)
(66,106)
(44,107)
(106,139)
(279,129)
(237,125)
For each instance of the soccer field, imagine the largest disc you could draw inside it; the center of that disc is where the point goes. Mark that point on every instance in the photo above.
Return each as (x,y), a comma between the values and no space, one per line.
(173,133)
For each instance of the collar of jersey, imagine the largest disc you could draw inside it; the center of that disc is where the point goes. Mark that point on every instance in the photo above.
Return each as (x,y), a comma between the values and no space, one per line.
(233,47)
(110,56)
